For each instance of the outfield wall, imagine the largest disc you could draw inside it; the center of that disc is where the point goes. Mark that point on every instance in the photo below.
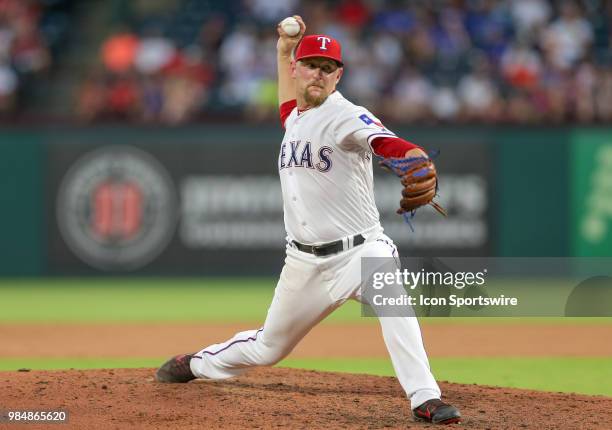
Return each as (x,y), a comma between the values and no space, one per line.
(205,200)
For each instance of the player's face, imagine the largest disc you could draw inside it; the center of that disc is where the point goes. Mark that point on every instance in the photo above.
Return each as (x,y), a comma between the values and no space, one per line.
(316,79)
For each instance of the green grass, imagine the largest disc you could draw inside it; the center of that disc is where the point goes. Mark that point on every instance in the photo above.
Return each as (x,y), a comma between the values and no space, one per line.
(175,300)
(142,300)
(101,300)
(578,375)
(78,363)
(565,374)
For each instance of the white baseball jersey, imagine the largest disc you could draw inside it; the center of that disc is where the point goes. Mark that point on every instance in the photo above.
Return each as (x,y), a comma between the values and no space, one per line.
(325,167)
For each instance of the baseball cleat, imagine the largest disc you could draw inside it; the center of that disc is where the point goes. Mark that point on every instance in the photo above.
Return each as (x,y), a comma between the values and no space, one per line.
(176,370)
(437,412)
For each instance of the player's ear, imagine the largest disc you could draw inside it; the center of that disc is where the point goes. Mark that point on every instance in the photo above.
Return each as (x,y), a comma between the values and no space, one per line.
(340,74)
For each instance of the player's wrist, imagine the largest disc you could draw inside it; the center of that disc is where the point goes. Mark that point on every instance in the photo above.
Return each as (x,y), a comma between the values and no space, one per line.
(416,152)
(284,57)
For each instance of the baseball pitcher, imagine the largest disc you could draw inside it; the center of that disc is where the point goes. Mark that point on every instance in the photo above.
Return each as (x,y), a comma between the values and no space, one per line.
(332,223)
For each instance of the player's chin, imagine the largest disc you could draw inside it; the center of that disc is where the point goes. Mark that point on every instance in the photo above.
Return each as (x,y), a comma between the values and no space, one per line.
(316,96)
(316,90)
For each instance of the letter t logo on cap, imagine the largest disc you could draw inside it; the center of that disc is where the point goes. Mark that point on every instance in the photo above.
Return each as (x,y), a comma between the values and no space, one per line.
(324,40)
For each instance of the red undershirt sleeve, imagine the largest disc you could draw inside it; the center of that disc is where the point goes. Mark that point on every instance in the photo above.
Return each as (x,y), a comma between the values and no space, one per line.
(392,147)
(285,110)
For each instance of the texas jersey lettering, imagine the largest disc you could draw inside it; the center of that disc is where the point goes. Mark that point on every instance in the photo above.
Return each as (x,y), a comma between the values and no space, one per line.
(300,155)
(324,152)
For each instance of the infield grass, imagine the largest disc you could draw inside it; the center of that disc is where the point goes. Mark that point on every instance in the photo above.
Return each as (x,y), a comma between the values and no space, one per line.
(564,374)
(578,375)
(175,300)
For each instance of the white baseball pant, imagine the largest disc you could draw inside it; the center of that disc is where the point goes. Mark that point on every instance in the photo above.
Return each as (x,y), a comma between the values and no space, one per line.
(309,289)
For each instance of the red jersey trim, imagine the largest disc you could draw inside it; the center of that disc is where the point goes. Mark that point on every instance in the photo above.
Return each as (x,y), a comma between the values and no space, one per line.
(391,146)
(285,110)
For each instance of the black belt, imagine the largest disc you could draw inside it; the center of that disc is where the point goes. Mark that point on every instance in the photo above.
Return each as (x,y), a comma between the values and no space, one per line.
(328,248)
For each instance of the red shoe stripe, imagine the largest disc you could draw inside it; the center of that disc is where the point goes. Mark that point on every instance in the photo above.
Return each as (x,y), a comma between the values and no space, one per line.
(426,414)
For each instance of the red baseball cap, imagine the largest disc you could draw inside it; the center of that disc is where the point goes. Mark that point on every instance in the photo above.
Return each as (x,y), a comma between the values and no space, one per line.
(319,45)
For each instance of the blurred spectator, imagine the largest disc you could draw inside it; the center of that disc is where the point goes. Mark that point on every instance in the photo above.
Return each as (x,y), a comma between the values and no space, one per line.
(395,18)
(445,104)
(211,35)
(521,66)
(603,98)
(520,108)
(152,98)
(271,11)
(478,93)
(92,97)
(8,89)
(122,97)
(353,13)
(363,79)
(529,16)
(450,37)
(152,54)
(29,52)
(23,50)
(567,39)
(554,92)
(387,51)
(584,92)
(119,52)
(412,95)
(421,48)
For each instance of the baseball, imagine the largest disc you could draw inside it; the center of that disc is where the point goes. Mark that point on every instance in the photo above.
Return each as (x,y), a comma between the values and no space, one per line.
(290,26)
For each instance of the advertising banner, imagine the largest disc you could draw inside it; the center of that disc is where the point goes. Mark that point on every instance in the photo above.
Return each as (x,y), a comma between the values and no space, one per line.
(592,193)
(178,207)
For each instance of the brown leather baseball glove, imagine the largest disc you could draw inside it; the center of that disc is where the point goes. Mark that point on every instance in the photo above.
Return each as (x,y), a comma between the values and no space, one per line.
(420,181)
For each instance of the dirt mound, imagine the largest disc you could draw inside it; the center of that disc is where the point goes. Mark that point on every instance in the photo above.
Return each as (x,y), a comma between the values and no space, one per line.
(281,398)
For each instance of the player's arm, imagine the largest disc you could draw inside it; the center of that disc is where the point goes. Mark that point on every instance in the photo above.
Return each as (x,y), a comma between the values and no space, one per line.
(284,50)
(358,130)
(396,147)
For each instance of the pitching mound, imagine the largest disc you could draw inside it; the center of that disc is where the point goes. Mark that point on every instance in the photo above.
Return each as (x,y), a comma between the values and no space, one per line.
(275,398)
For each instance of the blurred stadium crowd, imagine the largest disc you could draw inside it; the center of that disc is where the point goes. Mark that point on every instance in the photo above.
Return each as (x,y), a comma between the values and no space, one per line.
(30,33)
(483,61)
